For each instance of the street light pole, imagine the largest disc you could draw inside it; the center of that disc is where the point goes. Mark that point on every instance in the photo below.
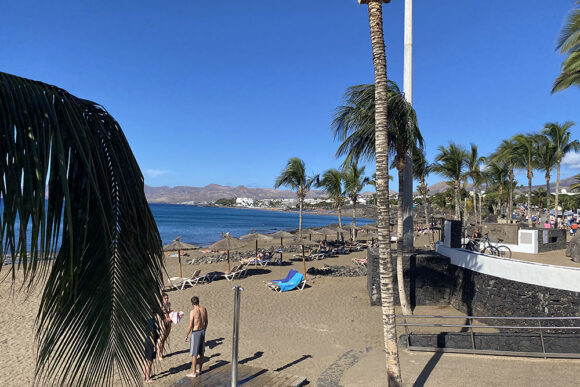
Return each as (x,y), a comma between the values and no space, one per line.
(407,204)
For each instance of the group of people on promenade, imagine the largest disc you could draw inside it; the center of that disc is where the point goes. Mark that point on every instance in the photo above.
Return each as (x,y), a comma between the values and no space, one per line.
(159,330)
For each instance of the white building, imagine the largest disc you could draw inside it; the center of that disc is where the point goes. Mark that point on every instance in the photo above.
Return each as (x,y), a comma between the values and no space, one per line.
(244,202)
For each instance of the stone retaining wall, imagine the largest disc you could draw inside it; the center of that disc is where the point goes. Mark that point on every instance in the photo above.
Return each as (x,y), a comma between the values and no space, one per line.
(432,280)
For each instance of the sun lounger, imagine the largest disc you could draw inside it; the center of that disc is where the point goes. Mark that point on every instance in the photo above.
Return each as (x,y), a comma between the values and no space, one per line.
(297,281)
(195,279)
(235,272)
(286,279)
(174,282)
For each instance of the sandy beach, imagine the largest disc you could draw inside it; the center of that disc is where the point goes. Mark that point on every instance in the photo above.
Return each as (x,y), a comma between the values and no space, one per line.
(327,333)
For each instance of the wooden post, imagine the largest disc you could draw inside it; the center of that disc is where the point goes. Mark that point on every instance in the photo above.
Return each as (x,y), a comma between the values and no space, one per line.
(179,256)
(256,260)
(304,261)
(228,255)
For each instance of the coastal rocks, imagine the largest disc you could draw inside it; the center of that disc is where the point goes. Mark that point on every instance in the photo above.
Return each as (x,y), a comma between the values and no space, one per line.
(337,271)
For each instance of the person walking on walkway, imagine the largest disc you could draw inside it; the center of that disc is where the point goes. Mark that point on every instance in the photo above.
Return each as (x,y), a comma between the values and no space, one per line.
(197,326)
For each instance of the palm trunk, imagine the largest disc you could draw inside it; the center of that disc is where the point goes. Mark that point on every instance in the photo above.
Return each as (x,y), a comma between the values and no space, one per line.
(557,193)
(382,162)
(547,191)
(511,193)
(400,276)
(340,216)
(424,195)
(300,201)
(529,199)
(457,200)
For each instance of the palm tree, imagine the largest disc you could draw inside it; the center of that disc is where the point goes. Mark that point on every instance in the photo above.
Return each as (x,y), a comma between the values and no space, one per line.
(569,43)
(474,162)
(294,176)
(507,155)
(576,186)
(354,182)
(546,158)
(497,178)
(525,147)
(353,124)
(450,163)
(66,165)
(559,135)
(421,170)
(381,143)
(332,183)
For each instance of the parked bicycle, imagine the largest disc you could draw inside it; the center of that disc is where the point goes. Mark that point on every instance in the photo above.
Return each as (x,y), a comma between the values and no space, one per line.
(484,245)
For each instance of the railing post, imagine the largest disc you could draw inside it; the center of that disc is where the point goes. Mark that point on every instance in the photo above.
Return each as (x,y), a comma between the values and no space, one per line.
(472,335)
(542,339)
(235,335)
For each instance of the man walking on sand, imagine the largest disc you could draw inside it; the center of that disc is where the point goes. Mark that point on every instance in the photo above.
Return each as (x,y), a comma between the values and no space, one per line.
(197,327)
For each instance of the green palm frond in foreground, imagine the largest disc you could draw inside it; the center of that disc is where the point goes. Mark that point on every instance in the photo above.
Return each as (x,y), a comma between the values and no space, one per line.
(68,174)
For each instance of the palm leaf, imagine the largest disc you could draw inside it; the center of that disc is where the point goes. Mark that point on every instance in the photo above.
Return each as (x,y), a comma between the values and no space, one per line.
(66,164)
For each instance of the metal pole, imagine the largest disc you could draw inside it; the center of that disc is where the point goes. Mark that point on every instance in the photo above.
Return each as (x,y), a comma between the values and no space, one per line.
(235,335)
(407,183)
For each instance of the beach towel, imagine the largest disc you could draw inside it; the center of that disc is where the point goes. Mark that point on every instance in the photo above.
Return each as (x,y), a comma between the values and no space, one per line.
(176,316)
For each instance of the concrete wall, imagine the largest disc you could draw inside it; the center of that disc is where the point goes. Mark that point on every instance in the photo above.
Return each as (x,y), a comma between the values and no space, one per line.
(558,277)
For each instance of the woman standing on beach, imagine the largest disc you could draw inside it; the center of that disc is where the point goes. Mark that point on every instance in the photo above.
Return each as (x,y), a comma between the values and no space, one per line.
(165,325)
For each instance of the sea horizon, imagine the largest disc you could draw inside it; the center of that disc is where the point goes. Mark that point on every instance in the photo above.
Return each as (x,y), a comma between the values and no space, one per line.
(203,226)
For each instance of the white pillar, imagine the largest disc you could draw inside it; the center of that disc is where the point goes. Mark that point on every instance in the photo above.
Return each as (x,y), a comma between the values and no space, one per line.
(408,91)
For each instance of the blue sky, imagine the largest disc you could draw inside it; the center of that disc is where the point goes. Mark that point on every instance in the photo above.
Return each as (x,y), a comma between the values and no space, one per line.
(227,91)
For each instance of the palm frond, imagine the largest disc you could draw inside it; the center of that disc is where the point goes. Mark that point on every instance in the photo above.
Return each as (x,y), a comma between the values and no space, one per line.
(66,164)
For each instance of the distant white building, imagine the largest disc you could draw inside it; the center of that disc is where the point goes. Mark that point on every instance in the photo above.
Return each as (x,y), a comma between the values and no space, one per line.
(245,202)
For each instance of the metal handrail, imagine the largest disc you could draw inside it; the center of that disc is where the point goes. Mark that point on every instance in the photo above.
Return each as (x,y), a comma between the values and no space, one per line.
(471,327)
(490,317)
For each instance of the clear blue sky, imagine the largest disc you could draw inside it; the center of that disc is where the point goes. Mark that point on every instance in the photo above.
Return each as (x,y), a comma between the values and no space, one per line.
(226,91)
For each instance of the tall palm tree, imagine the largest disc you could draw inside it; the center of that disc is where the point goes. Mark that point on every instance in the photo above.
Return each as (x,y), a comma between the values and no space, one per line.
(474,161)
(450,163)
(66,165)
(507,155)
(381,143)
(525,148)
(546,158)
(569,44)
(331,182)
(559,135)
(294,176)
(353,124)
(354,182)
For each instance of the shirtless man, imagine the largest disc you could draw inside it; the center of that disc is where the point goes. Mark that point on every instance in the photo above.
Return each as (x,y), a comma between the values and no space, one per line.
(197,327)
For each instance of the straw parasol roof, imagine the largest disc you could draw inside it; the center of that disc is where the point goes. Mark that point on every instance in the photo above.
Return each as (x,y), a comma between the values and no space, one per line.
(255,236)
(228,243)
(178,245)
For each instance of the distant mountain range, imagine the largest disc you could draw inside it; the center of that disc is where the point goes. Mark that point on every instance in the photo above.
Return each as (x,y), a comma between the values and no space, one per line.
(213,192)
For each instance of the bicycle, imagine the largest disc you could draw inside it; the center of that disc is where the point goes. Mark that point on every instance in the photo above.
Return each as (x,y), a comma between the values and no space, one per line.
(484,245)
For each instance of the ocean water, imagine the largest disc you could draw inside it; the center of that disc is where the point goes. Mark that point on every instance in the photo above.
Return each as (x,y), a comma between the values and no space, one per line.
(202,225)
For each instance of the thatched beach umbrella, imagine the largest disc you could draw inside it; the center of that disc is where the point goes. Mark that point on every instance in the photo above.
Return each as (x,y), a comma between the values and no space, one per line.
(255,236)
(311,232)
(177,245)
(227,244)
(328,231)
(281,234)
(303,242)
(369,227)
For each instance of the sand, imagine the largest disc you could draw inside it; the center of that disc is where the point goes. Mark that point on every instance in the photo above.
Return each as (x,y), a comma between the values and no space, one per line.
(327,333)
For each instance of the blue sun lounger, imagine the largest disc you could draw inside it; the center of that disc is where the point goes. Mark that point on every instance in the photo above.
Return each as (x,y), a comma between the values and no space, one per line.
(297,281)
